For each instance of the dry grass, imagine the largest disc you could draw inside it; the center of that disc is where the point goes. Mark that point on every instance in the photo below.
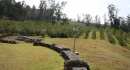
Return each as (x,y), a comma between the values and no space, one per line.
(28,57)
(99,54)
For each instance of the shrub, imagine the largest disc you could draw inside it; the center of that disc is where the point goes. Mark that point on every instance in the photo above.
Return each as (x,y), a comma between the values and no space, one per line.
(94,34)
(87,33)
(121,37)
(102,37)
(110,37)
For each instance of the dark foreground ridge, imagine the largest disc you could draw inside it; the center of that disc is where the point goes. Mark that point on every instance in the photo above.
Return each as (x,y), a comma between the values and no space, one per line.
(72,60)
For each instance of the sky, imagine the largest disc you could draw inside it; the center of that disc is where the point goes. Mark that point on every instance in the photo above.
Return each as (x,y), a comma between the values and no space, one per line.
(92,7)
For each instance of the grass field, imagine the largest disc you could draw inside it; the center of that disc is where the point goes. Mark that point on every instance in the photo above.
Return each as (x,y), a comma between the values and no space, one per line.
(106,37)
(98,35)
(99,54)
(25,56)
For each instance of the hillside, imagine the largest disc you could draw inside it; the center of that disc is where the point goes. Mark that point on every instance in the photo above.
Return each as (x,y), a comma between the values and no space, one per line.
(99,54)
(100,47)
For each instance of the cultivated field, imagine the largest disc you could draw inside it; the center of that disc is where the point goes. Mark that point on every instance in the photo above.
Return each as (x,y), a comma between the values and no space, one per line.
(99,54)
(102,49)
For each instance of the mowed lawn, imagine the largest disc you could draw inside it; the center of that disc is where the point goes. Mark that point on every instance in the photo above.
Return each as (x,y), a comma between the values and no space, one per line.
(99,54)
(25,56)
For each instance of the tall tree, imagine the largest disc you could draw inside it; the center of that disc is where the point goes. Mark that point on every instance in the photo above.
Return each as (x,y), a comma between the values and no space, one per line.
(88,19)
(111,9)
(128,22)
(42,10)
(123,24)
(33,14)
(105,21)
(28,15)
(97,21)
(78,18)
(83,20)
(112,13)
(59,8)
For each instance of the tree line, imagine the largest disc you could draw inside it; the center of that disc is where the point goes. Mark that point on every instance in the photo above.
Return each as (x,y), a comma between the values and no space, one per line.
(113,21)
(51,11)
(48,11)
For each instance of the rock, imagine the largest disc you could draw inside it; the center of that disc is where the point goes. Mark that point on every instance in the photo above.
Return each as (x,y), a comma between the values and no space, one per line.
(79,68)
(69,64)
(14,42)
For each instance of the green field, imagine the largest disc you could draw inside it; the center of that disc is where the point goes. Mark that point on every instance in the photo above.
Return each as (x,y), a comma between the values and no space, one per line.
(111,52)
(102,45)
(28,57)
(99,54)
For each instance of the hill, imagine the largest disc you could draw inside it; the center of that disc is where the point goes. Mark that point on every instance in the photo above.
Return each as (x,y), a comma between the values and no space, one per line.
(103,49)
(99,54)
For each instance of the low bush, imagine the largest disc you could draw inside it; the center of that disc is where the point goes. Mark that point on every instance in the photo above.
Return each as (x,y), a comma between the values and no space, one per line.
(110,37)
(102,37)
(94,34)
(87,31)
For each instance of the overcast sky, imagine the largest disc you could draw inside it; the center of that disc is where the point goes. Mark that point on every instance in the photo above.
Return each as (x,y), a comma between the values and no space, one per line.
(92,7)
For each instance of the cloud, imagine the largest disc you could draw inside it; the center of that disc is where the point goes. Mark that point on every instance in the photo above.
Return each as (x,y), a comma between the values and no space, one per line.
(128,6)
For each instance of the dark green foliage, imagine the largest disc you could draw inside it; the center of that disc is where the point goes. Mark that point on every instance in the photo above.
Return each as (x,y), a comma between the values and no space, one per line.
(94,34)
(64,31)
(110,37)
(87,33)
(31,28)
(101,34)
(117,23)
(121,37)
(20,11)
(24,28)
(65,21)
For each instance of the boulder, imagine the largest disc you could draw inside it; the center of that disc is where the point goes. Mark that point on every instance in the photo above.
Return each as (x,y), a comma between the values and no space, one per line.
(14,42)
(69,64)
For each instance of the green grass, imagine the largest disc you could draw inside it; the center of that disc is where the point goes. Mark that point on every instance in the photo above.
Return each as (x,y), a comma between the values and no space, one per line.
(90,35)
(106,37)
(74,23)
(98,35)
(116,41)
(25,56)
(99,54)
